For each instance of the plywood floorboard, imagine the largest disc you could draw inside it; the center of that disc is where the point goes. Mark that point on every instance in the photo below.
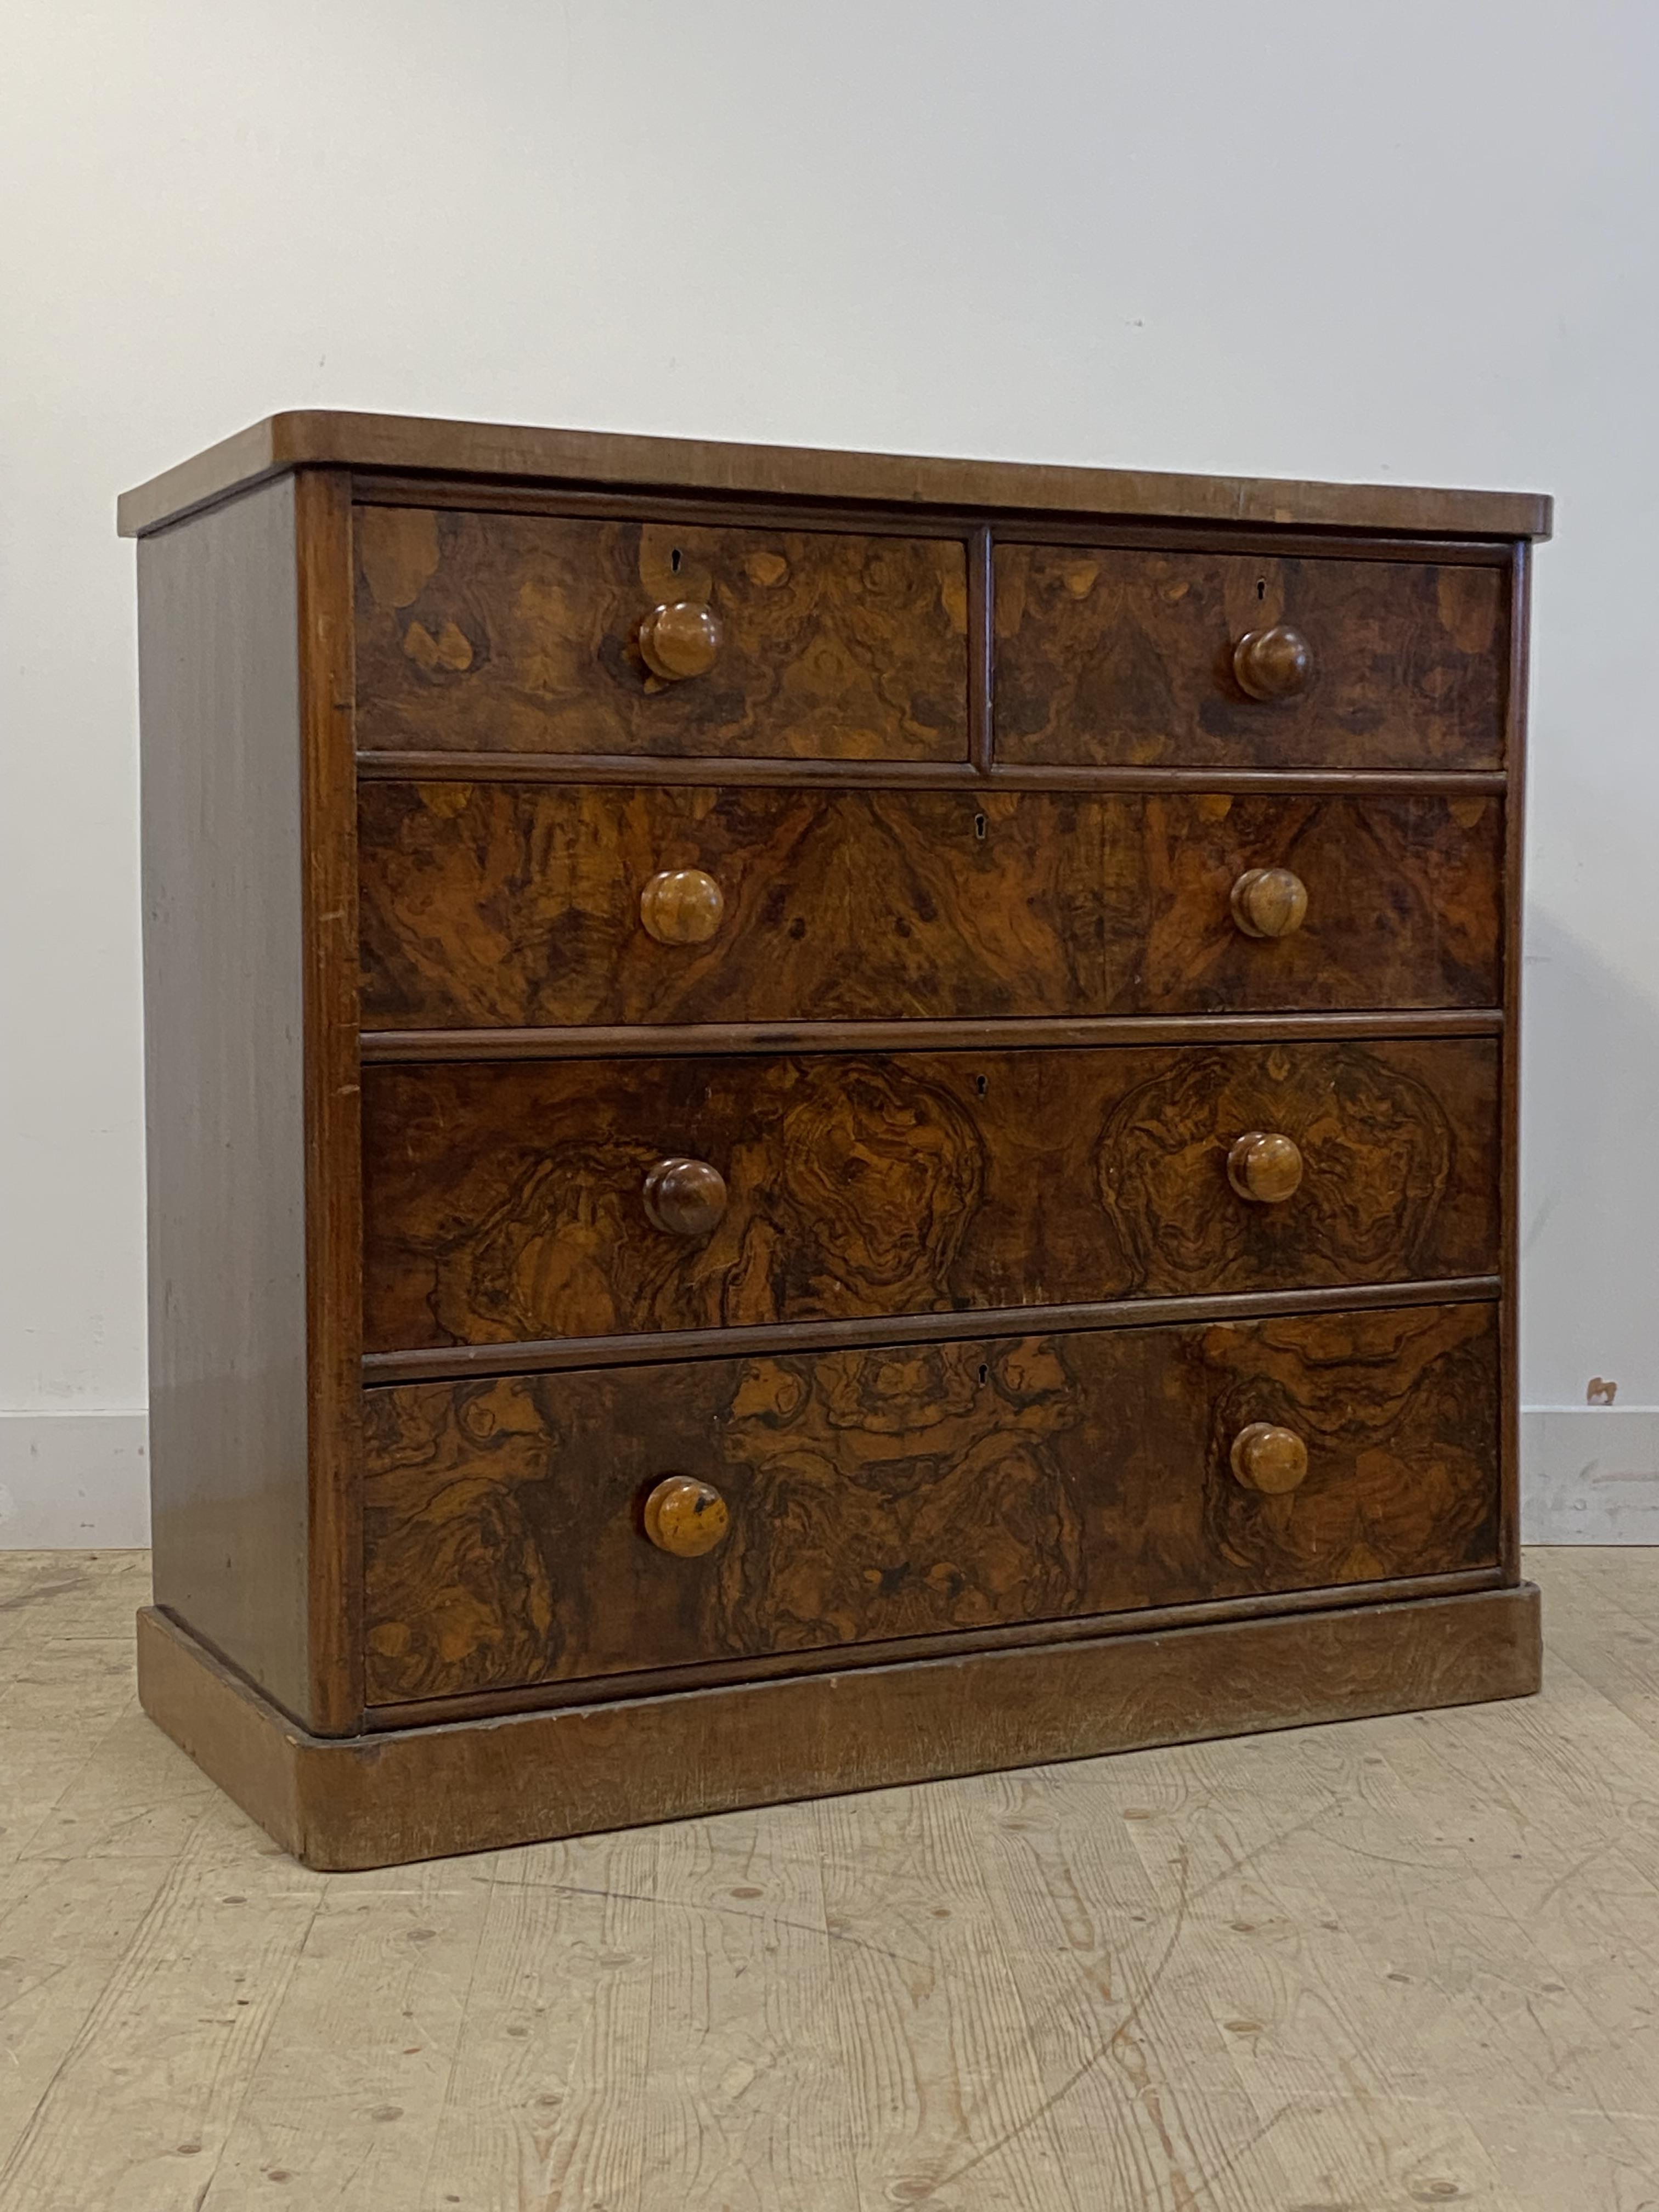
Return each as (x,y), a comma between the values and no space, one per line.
(1405,1962)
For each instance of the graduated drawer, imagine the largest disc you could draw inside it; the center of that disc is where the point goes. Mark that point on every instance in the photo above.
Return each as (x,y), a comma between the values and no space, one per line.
(877,1494)
(517,1201)
(518,905)
(517,633)
(1110,655)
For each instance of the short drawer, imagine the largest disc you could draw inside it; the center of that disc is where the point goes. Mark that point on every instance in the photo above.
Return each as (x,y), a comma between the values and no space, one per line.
(878,1494)
(520,1201)
(1111,656)
(518,905)
(540,634)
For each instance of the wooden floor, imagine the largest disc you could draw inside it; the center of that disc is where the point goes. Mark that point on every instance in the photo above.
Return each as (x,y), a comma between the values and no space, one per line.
(1399,1963)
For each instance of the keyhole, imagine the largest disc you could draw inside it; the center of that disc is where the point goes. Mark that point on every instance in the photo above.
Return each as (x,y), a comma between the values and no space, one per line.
(984,1374)
(980,1085)
(674,564)
(1261,581)
(979,825)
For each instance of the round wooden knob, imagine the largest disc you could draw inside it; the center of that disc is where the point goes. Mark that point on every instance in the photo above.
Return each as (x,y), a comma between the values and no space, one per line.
(1272,664)
(687,1197)
(1266,1167)
(688,1517)
(680,640)
(1268,1458)
(1269,902)
(682,906)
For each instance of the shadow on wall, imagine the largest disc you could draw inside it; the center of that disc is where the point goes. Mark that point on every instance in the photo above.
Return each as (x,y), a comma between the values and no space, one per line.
(1590,1244)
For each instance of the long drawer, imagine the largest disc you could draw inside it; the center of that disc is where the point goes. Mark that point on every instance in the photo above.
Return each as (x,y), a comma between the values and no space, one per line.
(1118,657)
(515,1530)
(547,634)
(510,1201)
(524,906)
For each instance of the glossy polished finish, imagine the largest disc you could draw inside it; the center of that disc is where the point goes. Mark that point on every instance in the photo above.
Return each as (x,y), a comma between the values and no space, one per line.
(1269,1458)
(969,1036)
(1112,655)
(684,1518)
(679,641)
(1266,1167)
(868,905)
(685,1197)
(520,633)
(224,1088)
(250,1019)
(1272,664)
(915,1490)
(1269,902)
(869,1184)
(481,454)
(682,906)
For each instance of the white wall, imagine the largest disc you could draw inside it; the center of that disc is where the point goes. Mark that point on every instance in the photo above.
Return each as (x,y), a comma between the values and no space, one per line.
(1406,239)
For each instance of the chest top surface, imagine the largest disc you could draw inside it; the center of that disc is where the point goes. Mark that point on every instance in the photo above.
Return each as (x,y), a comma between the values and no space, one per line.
(400,444)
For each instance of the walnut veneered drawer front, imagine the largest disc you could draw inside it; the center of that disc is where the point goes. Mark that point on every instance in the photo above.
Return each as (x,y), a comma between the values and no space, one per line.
(537,633)
(885,1493)
(523,906)
(516,1202)
(820,1120)
(1115,657)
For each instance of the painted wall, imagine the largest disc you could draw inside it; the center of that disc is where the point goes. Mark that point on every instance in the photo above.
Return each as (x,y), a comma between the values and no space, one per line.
(1392,240)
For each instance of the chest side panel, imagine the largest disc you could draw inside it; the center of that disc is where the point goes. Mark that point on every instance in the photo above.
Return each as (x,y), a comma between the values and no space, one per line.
(219,678)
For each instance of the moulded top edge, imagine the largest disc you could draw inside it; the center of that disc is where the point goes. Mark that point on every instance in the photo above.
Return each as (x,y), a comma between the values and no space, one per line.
(409,444)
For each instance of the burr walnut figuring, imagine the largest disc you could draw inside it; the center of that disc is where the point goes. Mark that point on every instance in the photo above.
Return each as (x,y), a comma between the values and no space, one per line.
(814,1119)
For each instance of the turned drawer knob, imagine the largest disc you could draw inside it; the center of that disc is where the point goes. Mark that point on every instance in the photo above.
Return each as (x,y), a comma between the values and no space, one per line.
(1268,1458)
(680,640)
(1265,1166)
(688,1517)
(1272,664)
(1269,902)
(687,1197)
(682,906)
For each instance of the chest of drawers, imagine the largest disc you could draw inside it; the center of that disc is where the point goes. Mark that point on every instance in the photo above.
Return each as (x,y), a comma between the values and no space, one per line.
(814,1119)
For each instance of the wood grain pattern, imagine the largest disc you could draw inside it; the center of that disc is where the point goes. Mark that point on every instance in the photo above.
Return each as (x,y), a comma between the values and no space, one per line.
(1515,862)
(520,633)
(562,1355)
(942,1644)
(424,1792)
(656,2011)
(653,1040)
(955,1341)
(1115,657)
(334,1199)
(487,904)
(419,766)
(507,1202)
(894,1493)
(225,983)
(401,443)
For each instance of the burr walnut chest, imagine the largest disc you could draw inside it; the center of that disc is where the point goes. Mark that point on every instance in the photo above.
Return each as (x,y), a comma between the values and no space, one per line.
(815,1119)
